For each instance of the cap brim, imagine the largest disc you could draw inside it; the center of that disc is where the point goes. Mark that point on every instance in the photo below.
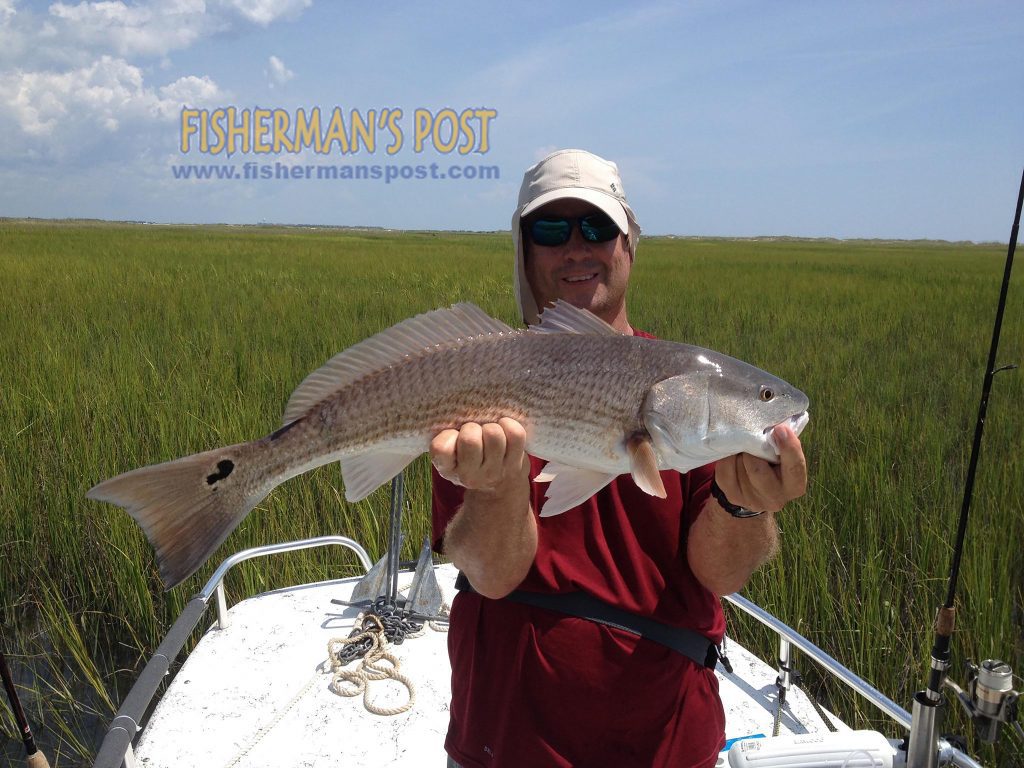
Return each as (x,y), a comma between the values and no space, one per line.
(601,200)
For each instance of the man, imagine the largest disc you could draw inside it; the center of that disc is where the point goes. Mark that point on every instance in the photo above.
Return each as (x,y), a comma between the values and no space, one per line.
(540,686)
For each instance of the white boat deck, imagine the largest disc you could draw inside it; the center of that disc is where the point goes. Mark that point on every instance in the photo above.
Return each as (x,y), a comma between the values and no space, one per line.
(257,693)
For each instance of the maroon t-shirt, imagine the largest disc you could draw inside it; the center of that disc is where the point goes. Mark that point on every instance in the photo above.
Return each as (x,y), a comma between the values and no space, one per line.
(534,688)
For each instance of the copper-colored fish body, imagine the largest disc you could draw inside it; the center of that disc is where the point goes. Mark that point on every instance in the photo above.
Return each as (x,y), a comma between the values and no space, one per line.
(594,403)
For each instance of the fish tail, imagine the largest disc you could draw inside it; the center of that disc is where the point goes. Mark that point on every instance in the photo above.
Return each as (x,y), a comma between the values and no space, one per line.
(186,507)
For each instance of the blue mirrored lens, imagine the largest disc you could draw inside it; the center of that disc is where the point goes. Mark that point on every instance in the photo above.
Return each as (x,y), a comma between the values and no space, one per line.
(556,230)
(551,231)
(598,228)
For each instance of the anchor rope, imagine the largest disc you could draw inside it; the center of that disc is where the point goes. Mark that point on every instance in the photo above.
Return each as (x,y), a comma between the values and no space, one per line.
(375,642)
(375,663)
(814,703)
(375,631)
(264,730)
(796,682)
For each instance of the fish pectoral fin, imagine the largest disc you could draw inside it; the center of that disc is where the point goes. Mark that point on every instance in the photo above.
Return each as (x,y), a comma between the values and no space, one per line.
(365,473)
(571,487)
(643,461)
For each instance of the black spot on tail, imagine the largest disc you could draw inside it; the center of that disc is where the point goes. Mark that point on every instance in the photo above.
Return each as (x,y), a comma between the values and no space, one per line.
(224,468)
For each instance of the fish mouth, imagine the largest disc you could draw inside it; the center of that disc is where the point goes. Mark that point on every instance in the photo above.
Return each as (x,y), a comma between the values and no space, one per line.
(796,422)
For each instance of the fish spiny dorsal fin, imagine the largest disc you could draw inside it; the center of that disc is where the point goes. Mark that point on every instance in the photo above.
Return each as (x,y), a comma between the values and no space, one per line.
(563,317)
(410,337)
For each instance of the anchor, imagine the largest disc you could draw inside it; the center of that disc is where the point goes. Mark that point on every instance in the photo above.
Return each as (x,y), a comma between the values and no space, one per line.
(379,587)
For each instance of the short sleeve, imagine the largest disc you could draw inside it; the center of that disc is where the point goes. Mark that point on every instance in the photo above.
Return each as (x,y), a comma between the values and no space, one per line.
(446,498)
(698,491)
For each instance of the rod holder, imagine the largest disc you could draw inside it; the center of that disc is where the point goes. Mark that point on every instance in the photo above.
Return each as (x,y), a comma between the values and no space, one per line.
(923,743)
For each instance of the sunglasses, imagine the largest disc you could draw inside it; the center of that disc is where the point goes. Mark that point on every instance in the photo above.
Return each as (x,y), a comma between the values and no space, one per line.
(556,230)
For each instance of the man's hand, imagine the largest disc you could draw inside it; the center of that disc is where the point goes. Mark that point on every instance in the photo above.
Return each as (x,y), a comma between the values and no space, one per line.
(482,457)
(493,536)
(722,550)
(762,487)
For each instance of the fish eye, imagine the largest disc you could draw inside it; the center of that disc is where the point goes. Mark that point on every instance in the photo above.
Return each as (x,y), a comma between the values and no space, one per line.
(766,394)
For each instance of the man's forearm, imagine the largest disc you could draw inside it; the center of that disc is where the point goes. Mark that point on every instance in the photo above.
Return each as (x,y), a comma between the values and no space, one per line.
(493,537)
(724,551)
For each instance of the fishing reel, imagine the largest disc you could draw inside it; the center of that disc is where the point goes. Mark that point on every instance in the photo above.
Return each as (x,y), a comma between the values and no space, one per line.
(989,699)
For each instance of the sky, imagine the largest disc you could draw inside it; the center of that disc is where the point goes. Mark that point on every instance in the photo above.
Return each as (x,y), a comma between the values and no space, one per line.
(806,119)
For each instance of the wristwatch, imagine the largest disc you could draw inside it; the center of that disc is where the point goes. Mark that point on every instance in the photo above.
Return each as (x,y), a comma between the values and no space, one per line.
(733,509)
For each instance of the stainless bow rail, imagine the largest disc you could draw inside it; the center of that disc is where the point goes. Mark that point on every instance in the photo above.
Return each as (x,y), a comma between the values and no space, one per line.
(794,638)
(116,749)
(789,637)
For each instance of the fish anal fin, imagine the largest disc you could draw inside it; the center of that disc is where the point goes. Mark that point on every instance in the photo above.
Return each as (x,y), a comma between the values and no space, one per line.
(571,487)
(551,471)
(365,473)
(643,462)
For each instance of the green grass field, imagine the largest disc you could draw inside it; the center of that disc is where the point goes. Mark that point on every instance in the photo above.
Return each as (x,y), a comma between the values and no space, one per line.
(126,345)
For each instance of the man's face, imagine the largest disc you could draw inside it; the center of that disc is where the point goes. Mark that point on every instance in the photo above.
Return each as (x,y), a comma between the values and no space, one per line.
(588,275)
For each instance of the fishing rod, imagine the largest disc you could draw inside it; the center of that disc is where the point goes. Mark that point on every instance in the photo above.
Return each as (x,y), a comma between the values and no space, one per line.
(990,699)
(35,758)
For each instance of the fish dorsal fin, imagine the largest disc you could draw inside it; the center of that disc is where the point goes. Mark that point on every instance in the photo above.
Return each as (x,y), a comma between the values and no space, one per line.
(563,317)
(410,337)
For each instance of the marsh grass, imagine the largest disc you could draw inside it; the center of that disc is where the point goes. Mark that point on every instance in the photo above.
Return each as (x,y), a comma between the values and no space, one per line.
(126,345)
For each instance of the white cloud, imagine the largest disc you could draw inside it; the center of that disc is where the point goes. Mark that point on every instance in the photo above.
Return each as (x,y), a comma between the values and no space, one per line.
(278,73)
(263,12)
(72,34)
(190,91)
(72,110)
(137,30)
(74,71)
(7,11)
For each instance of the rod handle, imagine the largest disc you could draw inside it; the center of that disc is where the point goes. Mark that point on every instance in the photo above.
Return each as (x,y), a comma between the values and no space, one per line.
(945,620)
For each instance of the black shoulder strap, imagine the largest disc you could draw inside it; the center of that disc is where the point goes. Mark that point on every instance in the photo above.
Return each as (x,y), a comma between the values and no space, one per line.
(581,605)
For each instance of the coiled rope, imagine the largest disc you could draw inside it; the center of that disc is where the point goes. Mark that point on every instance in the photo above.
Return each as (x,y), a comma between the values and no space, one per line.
(375,663)
(369,640)
(375,631)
